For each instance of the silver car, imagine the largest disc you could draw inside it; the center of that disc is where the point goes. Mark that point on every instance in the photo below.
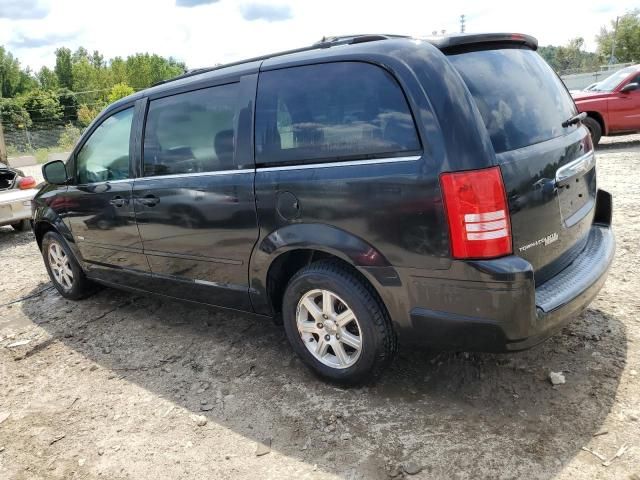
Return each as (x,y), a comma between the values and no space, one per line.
(16,193)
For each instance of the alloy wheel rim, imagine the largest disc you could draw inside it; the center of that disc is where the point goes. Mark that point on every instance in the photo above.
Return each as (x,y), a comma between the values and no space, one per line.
(60,266)
(329,329)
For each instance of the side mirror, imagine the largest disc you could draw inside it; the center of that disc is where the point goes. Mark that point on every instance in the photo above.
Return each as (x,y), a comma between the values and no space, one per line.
(630,87)
(55,172)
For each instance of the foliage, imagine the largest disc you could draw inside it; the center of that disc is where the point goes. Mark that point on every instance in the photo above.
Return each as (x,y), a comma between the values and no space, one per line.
(64,67)
(42,105)
(69,105)
(86,115)
(13,80)
(143,69)
(627,39)
(569,57)
(47,79)
(14,114)
(118,91)
(69,137)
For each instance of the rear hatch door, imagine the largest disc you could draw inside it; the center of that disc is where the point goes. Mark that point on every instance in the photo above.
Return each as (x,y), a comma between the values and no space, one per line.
(548,167)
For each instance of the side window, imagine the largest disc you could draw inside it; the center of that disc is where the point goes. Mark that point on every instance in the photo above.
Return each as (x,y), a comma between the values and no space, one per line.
(191,132)
(105,155)
(329,111)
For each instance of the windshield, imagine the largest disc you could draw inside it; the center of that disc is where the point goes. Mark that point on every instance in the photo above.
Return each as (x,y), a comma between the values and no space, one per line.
(521,100)
(612,81)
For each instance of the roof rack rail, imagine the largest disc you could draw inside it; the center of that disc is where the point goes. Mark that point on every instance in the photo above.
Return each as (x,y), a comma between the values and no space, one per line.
(325,42)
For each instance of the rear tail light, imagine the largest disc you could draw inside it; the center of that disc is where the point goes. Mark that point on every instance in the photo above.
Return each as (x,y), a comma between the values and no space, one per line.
(476,206)
(587,144)
(27,182)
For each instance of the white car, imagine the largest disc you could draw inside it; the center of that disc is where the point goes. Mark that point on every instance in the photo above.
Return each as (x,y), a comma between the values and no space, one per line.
(16,193)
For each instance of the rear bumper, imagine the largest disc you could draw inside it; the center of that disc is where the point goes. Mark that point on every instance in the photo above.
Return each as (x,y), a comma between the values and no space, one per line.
(501,309)
(15,205)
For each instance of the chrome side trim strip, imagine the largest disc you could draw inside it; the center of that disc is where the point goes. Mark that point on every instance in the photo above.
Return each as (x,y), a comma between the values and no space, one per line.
(92,184)
(579,166)
(199,174)
(340,164)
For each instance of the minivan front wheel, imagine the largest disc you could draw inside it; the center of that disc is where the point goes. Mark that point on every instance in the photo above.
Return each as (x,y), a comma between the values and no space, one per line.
(63,269)
(337,325)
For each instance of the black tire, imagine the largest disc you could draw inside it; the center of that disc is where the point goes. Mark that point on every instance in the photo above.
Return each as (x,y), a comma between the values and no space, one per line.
(80,286)
(22,226)
(594,129)
(379,342)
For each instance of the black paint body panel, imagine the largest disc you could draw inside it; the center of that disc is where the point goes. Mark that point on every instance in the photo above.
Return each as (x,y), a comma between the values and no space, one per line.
(212,239)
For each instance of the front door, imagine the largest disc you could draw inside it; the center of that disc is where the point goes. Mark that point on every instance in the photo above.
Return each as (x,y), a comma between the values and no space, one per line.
(194,202)
(624,109)
(100,207)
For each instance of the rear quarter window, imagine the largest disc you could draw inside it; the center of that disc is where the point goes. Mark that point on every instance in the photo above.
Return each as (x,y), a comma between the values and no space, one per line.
(331,111)
(521,100)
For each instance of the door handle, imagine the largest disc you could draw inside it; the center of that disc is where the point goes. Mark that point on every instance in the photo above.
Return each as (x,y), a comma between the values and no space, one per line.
(118,201)
(150,200)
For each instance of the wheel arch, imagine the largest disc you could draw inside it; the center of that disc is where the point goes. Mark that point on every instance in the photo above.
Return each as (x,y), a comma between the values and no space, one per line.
(43,225)
(598,117)
(285,251)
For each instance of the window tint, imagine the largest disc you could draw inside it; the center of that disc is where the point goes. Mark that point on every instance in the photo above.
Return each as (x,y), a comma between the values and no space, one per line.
(105,155)
(191,132)
(520,98)
(331,111)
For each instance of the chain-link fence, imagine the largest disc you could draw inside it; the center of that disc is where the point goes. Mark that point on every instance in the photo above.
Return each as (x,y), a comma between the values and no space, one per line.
(39,142)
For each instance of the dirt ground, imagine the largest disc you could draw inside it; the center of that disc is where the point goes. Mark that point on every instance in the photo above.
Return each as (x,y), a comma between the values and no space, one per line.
(119,386)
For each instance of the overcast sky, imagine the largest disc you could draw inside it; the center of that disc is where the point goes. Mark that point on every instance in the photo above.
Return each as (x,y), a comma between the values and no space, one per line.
(206,32)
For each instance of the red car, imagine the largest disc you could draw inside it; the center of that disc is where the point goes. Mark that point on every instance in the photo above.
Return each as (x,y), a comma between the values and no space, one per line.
(612,105)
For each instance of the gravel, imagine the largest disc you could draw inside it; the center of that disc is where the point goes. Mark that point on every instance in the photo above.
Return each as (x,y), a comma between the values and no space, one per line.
(455,415)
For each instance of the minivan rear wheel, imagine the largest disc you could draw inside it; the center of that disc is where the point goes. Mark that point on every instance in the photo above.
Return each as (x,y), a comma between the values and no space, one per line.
(337,325)
(63,269)
(594,129)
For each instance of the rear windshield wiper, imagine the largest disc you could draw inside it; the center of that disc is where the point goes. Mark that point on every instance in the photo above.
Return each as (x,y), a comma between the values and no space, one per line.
(575,119)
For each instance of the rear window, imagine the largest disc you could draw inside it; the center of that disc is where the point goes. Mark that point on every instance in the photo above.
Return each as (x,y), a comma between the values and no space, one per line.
(331,111)
(520,98)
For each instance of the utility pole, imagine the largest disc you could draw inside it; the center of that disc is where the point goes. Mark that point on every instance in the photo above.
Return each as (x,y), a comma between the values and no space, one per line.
(613,42)
(462,20)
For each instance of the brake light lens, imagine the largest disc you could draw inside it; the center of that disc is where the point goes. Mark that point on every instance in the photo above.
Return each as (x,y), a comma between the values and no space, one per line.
(476,206)
(27,182)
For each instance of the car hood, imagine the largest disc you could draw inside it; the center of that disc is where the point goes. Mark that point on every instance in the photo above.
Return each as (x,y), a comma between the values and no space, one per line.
(577,96)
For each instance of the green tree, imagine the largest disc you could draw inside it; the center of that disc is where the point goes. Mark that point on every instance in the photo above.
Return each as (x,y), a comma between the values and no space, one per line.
(80,54)
(117,71)
(47,79)
(86,115)
(118,91)
(69,104)
(143,69)
(97,60)
(43,106)
(10,78)
(14,114)
(627,39)
(64,67)
(569,57)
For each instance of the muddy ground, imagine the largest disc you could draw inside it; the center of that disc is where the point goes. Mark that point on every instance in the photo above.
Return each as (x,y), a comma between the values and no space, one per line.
(108,387)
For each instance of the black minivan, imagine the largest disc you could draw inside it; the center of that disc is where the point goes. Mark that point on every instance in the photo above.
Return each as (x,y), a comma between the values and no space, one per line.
(364,191)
